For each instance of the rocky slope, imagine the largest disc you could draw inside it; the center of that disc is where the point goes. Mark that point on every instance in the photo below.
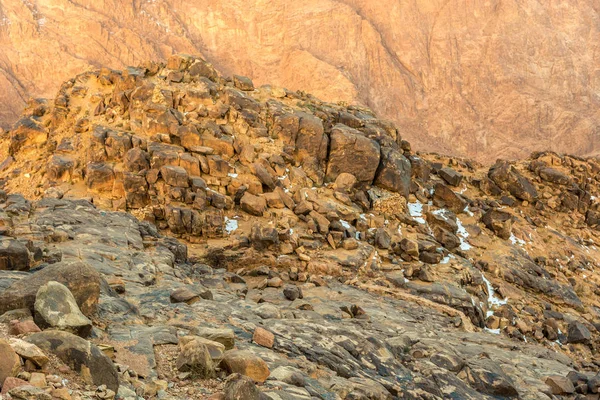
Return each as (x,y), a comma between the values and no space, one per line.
(484,79)
(318,254)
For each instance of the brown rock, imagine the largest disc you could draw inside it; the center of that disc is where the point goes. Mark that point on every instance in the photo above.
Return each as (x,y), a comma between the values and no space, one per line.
(175,176)
(184,295)
(351,152)
(38,379)
(554,176)
(11,383)
(14,255)
(499,222)
(10,363)
(395,172)
(56,308)
(452,177)
(81,355)
(99,177)
(273,200)
(29,352)
(239,387)
(446,197)
(195,358)
(344,182)
(254,205)
(17,327)
(243,83)
(560,385)
(246,363)
(508,178)
(263,337)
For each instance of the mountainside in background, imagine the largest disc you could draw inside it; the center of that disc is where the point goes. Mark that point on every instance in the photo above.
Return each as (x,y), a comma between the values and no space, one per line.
(300,243)
(483,79)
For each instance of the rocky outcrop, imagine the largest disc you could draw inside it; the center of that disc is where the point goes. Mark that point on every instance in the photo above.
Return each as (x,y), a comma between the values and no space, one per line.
(485,91)
(210,228)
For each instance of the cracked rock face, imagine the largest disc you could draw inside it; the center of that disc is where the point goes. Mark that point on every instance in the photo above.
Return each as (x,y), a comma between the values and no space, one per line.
(484,90)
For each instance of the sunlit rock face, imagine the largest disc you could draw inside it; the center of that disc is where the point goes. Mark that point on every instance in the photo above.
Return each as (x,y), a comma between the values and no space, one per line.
(483,79)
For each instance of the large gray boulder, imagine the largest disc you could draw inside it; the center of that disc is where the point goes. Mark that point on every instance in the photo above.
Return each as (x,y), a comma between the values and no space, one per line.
(82,280)
(56,308)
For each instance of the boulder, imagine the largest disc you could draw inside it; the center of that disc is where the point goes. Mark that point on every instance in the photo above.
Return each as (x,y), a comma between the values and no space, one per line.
(263,337)
(394,172)
(487,377)
(56,308)
(560,385)
(10,383)
(79,354)
(60,168)
(443,196)
(452,177)
(351,152)
(82,281)
(10,363)
(136,160)
(311,140)
(175,176)
(292,292)
(189,295)
(448,239)
(499,222)
(508,178)
(253,205)
(215,349)
(243,83)
(552,175)
(14,255)
(239,387)
(224,336)
(29,392)
(443,218)
(27,132)
(246,363)
(578,333)
(29,351)
(99,177)
(263,236)
(16,327)
(195,357)
(344,182)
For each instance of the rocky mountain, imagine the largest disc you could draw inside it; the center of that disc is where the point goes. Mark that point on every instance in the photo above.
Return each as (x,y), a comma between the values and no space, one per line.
(171,233)
(483,79)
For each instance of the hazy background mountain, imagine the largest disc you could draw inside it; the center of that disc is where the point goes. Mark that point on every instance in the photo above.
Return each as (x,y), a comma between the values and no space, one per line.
(479,78)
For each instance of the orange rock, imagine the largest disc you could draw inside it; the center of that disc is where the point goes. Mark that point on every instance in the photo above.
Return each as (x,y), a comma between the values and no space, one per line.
(246,363)
(263,337)
(10,362)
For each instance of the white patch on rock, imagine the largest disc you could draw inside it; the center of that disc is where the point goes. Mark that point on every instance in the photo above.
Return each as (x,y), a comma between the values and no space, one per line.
(463,235)
(416,211)
(492,300)
(515,240)
(230,225)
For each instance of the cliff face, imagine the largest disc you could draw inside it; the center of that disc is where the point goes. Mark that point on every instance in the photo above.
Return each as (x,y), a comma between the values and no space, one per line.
(483,79)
